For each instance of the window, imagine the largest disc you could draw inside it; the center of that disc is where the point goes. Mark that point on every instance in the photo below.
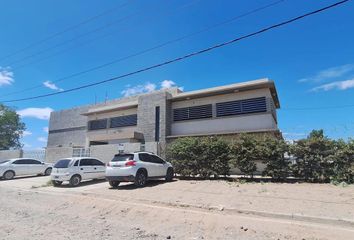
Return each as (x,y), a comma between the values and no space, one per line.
(253,105)
(156,159)
(86,162)
(97,124)
(32,161)
(157,124)
(24,161)
(76,163)
(123,121)
(64,163)
(122,157)
(95,162)
(189,113)
(145,157)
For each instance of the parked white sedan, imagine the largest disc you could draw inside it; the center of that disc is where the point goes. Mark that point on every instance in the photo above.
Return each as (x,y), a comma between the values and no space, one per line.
(76,169)
(23,166)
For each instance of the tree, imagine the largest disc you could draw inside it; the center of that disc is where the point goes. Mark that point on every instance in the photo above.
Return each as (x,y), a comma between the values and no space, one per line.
(200,156)
(11,128)
(272,153)
(343,162)
(314,157)
(245,151)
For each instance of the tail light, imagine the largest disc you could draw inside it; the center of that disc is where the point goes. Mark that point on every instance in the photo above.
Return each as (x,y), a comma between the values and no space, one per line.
(108,164)
(130,164)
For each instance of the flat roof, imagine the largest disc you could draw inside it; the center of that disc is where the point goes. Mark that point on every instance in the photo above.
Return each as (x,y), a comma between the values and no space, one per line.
(236,87)
(179,96)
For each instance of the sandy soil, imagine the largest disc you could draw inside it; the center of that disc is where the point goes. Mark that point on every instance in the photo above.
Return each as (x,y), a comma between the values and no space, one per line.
(176,210)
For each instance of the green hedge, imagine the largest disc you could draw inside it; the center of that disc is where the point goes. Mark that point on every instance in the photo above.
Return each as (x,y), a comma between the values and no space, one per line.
(317,158)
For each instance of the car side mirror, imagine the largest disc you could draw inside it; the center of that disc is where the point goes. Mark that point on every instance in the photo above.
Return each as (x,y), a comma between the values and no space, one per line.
(42,163)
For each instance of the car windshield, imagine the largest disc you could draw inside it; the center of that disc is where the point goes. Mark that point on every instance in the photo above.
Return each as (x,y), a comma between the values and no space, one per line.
(122,157)
(64,163)
(3,161)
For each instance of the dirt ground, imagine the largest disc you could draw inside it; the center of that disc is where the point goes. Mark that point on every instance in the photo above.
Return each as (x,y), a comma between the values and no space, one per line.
(177,210)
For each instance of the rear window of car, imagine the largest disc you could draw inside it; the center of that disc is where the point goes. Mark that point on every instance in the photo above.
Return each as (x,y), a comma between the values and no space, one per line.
(123,157)
(64,163)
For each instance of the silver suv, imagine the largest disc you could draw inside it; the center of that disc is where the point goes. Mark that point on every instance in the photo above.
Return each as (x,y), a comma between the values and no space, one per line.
(137,167)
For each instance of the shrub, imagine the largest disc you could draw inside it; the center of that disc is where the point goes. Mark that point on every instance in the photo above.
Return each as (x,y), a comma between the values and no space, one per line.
(343,162)
(314,157)
(245,150)
(204,156)
(272,153)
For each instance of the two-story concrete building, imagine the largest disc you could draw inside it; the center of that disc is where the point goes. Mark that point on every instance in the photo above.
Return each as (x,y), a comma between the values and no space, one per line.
(150,121)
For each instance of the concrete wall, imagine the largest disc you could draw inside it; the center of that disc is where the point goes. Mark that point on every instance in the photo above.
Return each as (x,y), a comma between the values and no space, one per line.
(8,154)
(146,115)
(55,153)
(215,124)
(224,124)
(64,127)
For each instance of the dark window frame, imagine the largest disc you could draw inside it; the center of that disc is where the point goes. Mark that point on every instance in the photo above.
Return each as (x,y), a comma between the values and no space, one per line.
(92,124)
(241,107)
(123,121)
(193,113)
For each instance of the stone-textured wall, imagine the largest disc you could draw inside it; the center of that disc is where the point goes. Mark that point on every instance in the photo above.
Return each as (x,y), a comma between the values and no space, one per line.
(146,115)
(62,125)
(8,154)
(53,154)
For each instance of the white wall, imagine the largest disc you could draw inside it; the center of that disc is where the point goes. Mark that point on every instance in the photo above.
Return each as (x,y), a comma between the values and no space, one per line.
(224,124)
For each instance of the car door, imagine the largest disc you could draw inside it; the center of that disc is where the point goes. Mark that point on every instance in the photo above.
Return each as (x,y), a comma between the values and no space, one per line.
(159,165)
(99,168)
(148,164)
(36,167)
(86,169)
(20,167)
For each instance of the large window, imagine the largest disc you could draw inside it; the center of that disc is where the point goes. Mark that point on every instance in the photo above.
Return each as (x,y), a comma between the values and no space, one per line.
(253,105)
(97,124)
(123,121)
(189,113)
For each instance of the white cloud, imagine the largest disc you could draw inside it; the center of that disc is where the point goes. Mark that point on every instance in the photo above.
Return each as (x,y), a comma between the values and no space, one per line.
(52,86)
(339,85)
(147,87)
(167,84)
(26,133)
(46,129)
(42,139)
(6,76)
(139,89)
(39,113)
(26,145)
(333,72)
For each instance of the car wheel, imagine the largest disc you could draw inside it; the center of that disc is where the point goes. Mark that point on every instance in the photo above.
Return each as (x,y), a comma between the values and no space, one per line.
(114,183)
(8,175)
(140,179)
(75,181)
(48,171)
(169,175)
(56,183)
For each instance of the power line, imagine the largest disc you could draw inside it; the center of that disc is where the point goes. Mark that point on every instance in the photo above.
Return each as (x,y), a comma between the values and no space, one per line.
(91,40)
(185,56)
(63,31)
(154,47)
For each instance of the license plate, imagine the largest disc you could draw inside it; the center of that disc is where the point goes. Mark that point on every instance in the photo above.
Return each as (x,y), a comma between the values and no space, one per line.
(56,177)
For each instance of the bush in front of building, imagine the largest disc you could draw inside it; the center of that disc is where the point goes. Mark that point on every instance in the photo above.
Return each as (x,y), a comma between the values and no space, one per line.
(245,151)
(314,157)
(200,156)
(272,153)
(343,162)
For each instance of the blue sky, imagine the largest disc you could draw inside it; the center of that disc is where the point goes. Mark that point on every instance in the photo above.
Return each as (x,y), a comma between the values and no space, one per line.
(311,61)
